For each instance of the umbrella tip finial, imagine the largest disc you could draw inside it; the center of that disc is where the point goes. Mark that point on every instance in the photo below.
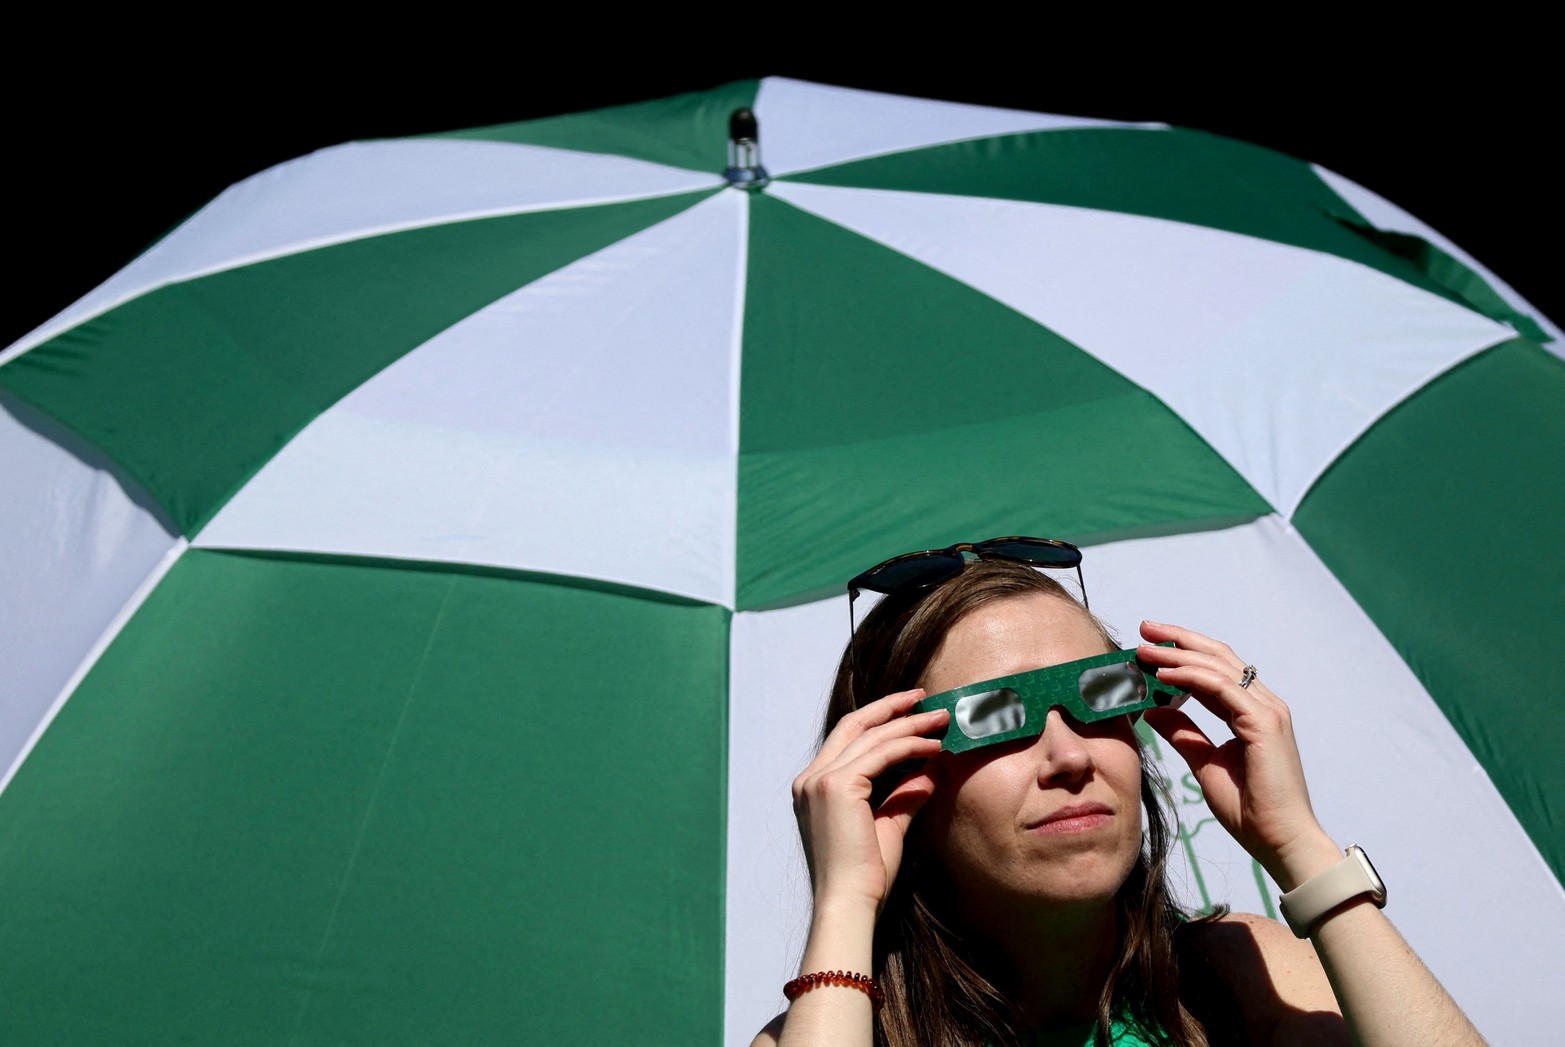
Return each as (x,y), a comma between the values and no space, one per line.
(744,151)
(742,125)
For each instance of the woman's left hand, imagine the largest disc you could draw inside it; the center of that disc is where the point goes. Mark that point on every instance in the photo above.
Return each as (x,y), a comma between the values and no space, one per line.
(1254,785)
(1254,782)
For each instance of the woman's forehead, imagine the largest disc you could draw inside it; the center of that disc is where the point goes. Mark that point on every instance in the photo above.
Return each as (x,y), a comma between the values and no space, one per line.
(1011,636)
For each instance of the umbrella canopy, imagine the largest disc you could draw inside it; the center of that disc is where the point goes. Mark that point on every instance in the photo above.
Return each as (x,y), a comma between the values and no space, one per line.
(422,568)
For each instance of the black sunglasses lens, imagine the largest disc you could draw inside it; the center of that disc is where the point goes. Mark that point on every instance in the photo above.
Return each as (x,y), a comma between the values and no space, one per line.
(1035,552)
(919,571)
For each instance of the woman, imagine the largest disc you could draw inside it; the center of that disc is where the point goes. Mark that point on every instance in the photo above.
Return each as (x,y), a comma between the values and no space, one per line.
(1005,894)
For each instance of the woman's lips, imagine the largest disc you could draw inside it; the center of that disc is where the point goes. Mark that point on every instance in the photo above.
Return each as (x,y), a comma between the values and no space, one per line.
(1076,818)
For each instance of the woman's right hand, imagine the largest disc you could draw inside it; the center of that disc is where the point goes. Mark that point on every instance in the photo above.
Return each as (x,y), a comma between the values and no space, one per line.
(854,851)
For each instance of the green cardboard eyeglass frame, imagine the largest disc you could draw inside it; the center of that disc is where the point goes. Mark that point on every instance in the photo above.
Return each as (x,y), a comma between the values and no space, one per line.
(1010,707)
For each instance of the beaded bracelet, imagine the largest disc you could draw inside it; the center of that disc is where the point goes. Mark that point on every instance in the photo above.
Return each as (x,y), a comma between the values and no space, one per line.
(862,982)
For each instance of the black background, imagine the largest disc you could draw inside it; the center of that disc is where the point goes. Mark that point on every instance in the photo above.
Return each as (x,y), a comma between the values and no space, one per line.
(104,160)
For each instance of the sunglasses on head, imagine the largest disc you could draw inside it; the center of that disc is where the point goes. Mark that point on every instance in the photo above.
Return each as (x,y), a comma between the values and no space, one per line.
(1017,706)
(924,570)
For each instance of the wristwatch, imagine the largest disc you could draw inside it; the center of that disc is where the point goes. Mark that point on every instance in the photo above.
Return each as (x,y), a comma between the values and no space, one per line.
(1353,876)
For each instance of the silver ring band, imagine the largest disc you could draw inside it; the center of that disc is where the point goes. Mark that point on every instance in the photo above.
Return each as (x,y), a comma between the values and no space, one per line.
(1248,677)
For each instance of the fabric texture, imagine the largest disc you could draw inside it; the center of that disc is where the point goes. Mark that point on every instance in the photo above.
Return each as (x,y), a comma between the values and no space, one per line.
(1082,1036)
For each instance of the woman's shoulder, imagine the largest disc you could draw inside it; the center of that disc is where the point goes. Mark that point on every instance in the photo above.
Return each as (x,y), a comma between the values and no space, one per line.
(1245,951)
(1222,934)
(1273,978)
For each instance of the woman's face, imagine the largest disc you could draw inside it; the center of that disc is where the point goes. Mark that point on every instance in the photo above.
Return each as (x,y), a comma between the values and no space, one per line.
(1055,818)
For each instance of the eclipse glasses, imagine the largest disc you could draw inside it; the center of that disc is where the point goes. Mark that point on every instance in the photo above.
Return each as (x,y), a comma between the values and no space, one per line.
(1017,706)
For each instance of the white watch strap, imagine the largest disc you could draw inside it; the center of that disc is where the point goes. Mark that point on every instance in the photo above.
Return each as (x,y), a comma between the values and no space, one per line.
(1349,878)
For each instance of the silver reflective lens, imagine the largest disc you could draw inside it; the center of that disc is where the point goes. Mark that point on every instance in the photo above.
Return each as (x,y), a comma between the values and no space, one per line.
(990,713)
(1112,686)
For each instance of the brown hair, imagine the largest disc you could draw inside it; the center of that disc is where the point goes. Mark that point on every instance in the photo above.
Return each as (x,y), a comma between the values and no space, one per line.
(936,991)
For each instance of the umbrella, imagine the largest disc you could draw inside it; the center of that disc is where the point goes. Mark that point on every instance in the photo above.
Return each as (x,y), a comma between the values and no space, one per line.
(422,567)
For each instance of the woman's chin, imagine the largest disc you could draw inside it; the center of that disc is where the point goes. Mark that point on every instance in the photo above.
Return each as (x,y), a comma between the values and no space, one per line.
(1078,893)
(1072,885)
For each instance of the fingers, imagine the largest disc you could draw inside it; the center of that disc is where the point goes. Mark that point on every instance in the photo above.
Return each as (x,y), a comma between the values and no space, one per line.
(1196,647)
(1181,732)
(872,715)
(856,774)
(1215,766)
(1210,687)
(1208,669)
(1188,639)
(907,798)
(870,753)
(1250,714)
(915,724)
(899,809)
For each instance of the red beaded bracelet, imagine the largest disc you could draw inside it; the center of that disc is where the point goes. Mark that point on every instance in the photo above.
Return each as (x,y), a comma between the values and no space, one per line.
(862,982)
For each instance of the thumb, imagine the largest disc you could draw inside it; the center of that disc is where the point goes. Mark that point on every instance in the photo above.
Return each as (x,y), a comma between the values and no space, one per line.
(1181,732)
(907,799)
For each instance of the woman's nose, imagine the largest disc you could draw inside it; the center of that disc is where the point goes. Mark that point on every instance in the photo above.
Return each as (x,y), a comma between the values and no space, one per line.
(1062,753)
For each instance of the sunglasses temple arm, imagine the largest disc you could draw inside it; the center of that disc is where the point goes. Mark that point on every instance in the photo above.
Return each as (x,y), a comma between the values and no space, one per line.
(1082,582)
(853,652)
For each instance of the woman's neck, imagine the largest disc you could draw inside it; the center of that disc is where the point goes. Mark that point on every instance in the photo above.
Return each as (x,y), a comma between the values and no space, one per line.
(1061,960)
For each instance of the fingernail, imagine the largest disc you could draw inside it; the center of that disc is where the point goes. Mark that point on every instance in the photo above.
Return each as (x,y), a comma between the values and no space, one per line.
(1148,621)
